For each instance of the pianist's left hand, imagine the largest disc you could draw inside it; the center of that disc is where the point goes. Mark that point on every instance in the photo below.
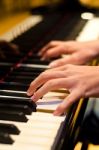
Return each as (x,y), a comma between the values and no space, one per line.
(80,81)
(75,52)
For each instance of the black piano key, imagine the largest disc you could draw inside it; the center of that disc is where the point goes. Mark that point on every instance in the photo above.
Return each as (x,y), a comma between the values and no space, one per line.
(25,73)
(9,128)
(20,79)
(34,56)
(27,69)
(17,101)
(13,116)
(14,85)
(8,64)
(5,138)
(10,59)
(4,69)
(76,29)
(35,61)
(13,93)
(18,108)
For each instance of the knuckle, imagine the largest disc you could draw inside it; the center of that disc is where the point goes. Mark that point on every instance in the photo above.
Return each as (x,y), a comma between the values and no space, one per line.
(44,75)
(50,83)
(68,66)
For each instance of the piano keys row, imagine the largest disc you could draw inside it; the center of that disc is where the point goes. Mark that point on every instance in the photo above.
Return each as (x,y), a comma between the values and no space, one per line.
(17,107)
(38,133)
(17,113)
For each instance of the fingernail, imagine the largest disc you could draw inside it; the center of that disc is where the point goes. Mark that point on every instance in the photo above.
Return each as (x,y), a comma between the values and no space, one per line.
(52,64)
(28,93)
(33,98)
(56,113)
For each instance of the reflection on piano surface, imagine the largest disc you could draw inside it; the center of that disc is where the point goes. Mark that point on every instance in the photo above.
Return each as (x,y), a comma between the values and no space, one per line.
(24,124)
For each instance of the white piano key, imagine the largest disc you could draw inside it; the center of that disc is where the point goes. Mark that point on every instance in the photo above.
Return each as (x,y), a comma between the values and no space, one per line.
(24,146)
(22,27)
(37,132)
(50,101)
(55,94)
(90,30)
(48,104)
(47,117)
(32,124)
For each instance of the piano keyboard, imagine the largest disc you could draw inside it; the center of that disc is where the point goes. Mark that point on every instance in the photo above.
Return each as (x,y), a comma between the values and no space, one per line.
(22,27)
(37,134)
(35,130)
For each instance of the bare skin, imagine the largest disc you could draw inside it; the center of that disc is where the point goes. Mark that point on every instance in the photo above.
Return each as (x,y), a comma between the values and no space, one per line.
(76,52)
(80,81)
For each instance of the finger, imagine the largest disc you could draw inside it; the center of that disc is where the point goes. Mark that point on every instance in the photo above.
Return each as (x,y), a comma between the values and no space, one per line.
(57,63)
(44,49)
(48,86)
(68,101)
(62,68)
(52,53)
(62,61)
(48,46)
(44,77)
(70,59)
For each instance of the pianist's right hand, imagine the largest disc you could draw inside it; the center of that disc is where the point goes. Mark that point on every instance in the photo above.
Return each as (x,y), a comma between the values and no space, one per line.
(80,81)
(76,52)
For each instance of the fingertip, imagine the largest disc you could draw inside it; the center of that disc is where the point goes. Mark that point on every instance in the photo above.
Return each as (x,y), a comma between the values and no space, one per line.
(39,53)
(52,65)
(33,98)
(28,93)
(57,113)
(43,58)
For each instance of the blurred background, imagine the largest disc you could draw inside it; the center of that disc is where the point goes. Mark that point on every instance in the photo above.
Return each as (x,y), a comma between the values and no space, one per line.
(11,6)
(12,12)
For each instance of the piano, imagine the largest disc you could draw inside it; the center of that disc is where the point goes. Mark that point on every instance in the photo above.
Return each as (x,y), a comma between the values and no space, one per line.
(24,124)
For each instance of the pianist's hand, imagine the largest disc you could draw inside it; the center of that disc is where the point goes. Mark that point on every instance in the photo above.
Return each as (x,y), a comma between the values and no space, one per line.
(80,81)
(77,52)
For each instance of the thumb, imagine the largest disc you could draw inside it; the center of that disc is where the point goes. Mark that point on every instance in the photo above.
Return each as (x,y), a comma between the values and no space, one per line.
(68,101)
